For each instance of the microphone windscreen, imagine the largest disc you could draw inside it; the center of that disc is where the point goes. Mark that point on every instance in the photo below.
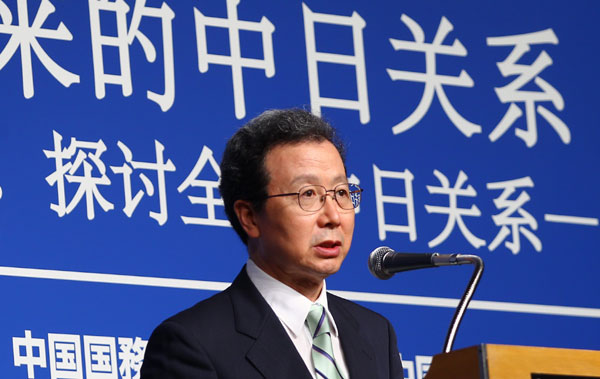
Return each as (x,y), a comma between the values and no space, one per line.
(376,262)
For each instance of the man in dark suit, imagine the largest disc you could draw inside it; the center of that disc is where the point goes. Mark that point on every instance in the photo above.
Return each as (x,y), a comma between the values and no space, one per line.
(286,194)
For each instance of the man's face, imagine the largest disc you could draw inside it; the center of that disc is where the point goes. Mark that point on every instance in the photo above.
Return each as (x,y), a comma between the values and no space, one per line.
(295,246)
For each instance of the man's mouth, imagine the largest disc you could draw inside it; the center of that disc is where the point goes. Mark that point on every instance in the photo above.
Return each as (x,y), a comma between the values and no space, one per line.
(330,244)
(329,248)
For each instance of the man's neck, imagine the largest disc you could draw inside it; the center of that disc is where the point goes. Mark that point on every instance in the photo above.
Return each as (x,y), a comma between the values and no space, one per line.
(308,289)
(311,289)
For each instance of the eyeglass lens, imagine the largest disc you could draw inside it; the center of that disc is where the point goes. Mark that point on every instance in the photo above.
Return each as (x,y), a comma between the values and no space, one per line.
(312,197)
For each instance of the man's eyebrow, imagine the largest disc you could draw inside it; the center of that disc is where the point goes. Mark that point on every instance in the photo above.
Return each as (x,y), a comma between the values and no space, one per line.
(340,179)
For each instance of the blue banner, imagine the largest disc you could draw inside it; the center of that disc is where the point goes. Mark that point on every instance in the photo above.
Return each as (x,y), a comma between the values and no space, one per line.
(472,126)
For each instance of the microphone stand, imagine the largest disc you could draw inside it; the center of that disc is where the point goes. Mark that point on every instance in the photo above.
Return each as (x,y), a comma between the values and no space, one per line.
(466,298)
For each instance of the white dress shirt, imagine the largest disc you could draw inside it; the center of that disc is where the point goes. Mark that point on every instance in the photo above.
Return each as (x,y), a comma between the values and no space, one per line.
(291,307)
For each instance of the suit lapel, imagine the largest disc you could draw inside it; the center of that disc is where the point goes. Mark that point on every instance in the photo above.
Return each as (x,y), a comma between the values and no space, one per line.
(358,352)
(273,353)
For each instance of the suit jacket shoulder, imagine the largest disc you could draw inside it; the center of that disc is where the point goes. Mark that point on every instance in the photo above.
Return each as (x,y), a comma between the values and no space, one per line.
(366,337)
(235,334)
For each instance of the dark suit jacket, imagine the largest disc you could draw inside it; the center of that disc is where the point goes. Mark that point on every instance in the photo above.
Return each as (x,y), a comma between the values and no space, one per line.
(235,334)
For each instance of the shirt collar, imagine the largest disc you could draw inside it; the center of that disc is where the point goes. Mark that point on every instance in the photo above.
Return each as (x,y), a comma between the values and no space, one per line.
(290,306)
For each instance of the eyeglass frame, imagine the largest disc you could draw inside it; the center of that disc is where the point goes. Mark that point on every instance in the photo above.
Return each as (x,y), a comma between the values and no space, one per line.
(360,191)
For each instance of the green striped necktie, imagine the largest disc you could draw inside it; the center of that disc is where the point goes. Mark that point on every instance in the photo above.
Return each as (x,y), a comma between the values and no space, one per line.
(322,350)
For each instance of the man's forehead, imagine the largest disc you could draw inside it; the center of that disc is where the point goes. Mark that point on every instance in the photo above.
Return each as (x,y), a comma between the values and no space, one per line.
(314,179)
(310,162)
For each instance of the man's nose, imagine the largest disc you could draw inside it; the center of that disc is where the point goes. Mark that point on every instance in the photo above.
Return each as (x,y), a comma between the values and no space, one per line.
(330,211)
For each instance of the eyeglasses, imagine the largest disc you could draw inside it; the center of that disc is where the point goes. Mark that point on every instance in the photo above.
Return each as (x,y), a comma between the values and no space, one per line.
(311,198)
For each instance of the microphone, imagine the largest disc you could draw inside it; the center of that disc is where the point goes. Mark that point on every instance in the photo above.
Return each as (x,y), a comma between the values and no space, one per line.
(385,262)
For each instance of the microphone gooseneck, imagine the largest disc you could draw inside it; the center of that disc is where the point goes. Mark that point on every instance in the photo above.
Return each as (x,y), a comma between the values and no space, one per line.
(385,262)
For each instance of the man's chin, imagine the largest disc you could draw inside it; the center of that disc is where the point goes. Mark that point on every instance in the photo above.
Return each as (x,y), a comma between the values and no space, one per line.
(329,268)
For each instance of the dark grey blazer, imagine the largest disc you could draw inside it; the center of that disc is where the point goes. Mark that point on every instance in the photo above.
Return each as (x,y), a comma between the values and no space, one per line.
(235,334)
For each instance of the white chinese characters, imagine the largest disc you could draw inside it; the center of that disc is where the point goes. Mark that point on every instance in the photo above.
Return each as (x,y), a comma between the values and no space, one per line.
(406,202)
(86,157)
(160,166)
(357,60)
(24,36)
(455,214)
(79,167)
(98,358)
(30,359)
(513,215)
(131,355)
(124,25)
(433,81)
(235,59)
(515,93)
(513,219)
(125,36)
(210,186)
(66,359)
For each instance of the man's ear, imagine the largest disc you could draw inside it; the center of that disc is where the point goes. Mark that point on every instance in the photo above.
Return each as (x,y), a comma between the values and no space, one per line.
(247,217)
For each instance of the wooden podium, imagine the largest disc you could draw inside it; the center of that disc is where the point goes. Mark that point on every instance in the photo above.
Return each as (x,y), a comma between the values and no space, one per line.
(489,361)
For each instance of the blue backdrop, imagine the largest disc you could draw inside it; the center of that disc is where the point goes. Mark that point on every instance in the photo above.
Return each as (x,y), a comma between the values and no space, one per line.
(472,126)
